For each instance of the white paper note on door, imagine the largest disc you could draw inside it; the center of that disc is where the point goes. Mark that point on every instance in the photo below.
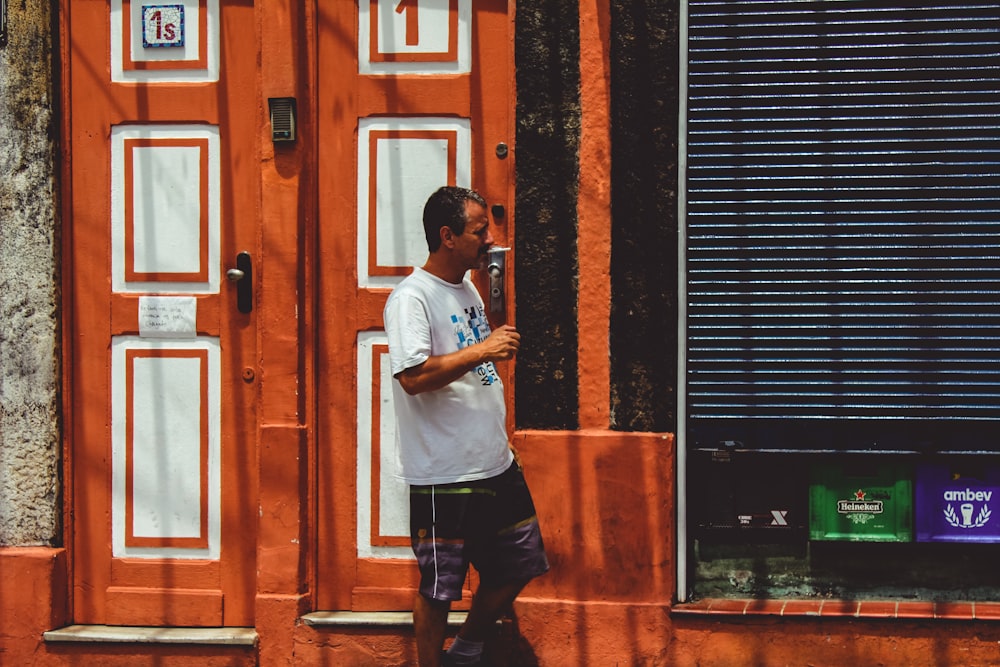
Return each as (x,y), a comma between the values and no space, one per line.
(168,316)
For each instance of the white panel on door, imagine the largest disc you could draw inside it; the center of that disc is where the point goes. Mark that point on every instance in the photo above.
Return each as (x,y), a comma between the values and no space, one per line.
(165,220)
(164,42)
(401,161)
(383,499)
(414,36)
(165,210)
(165,437)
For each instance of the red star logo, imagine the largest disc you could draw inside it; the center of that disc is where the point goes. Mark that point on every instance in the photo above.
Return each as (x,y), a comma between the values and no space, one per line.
(859,495)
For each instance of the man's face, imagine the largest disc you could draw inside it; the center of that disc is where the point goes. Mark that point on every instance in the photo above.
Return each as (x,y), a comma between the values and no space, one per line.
(475,241)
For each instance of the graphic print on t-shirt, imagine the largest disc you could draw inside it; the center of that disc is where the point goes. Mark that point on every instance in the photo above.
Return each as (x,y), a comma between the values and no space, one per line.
(471,328)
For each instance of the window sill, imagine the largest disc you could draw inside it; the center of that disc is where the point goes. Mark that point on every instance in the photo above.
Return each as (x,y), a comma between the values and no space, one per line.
(956,611)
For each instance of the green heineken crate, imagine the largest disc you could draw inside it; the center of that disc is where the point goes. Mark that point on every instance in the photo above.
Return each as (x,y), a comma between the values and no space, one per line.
(868,500)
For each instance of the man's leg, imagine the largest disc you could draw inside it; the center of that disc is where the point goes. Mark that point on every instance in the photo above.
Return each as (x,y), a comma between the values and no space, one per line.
(488,604)
(513,554)
(430,622)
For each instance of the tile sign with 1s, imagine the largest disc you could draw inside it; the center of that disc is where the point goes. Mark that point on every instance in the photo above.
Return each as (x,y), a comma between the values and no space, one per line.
(162,26)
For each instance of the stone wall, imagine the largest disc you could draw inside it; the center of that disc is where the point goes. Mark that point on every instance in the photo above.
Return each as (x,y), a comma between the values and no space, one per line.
(644,104)
(547,62)
(30,503)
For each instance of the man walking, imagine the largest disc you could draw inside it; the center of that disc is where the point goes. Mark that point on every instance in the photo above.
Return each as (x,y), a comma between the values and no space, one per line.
(468,499)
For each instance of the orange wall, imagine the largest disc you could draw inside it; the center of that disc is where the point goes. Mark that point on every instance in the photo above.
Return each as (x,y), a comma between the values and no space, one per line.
(606,508)
(33,598)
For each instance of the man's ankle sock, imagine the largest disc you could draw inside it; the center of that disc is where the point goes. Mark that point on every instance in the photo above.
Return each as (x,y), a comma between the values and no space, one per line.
(464,652)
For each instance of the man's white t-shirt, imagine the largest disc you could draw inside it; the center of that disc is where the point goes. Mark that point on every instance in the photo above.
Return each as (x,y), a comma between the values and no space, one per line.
(457,433)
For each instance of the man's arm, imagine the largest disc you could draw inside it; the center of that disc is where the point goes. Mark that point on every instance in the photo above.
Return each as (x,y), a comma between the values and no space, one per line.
(442,370)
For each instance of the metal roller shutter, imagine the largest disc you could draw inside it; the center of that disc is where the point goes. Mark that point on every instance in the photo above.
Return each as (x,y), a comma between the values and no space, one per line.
(843,225)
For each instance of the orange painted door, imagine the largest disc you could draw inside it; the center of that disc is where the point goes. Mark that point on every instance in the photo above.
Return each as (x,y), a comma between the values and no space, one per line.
(160,394)
(413,94)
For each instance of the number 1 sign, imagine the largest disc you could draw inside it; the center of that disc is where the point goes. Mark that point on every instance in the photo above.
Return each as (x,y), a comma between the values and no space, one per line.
(414,36)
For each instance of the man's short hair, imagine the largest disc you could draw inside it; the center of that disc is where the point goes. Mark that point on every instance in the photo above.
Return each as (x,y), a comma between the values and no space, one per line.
(446,207)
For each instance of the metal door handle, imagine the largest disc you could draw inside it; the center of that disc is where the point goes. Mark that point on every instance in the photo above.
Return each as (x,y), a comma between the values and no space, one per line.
(496,269)
(242,275)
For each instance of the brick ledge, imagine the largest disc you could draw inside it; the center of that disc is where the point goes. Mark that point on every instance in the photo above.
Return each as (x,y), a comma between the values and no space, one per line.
(959,611)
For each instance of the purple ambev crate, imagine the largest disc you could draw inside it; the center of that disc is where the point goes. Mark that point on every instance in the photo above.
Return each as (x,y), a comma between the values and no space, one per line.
(957,501)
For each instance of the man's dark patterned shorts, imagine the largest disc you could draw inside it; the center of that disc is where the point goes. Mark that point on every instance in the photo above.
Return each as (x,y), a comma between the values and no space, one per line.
(490,523)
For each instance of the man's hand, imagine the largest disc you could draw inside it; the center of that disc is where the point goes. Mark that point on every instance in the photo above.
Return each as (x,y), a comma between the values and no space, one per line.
(501,344)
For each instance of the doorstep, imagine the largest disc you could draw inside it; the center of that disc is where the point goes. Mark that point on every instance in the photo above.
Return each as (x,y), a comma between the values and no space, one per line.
(120,634)
(373,619)
(232,636)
